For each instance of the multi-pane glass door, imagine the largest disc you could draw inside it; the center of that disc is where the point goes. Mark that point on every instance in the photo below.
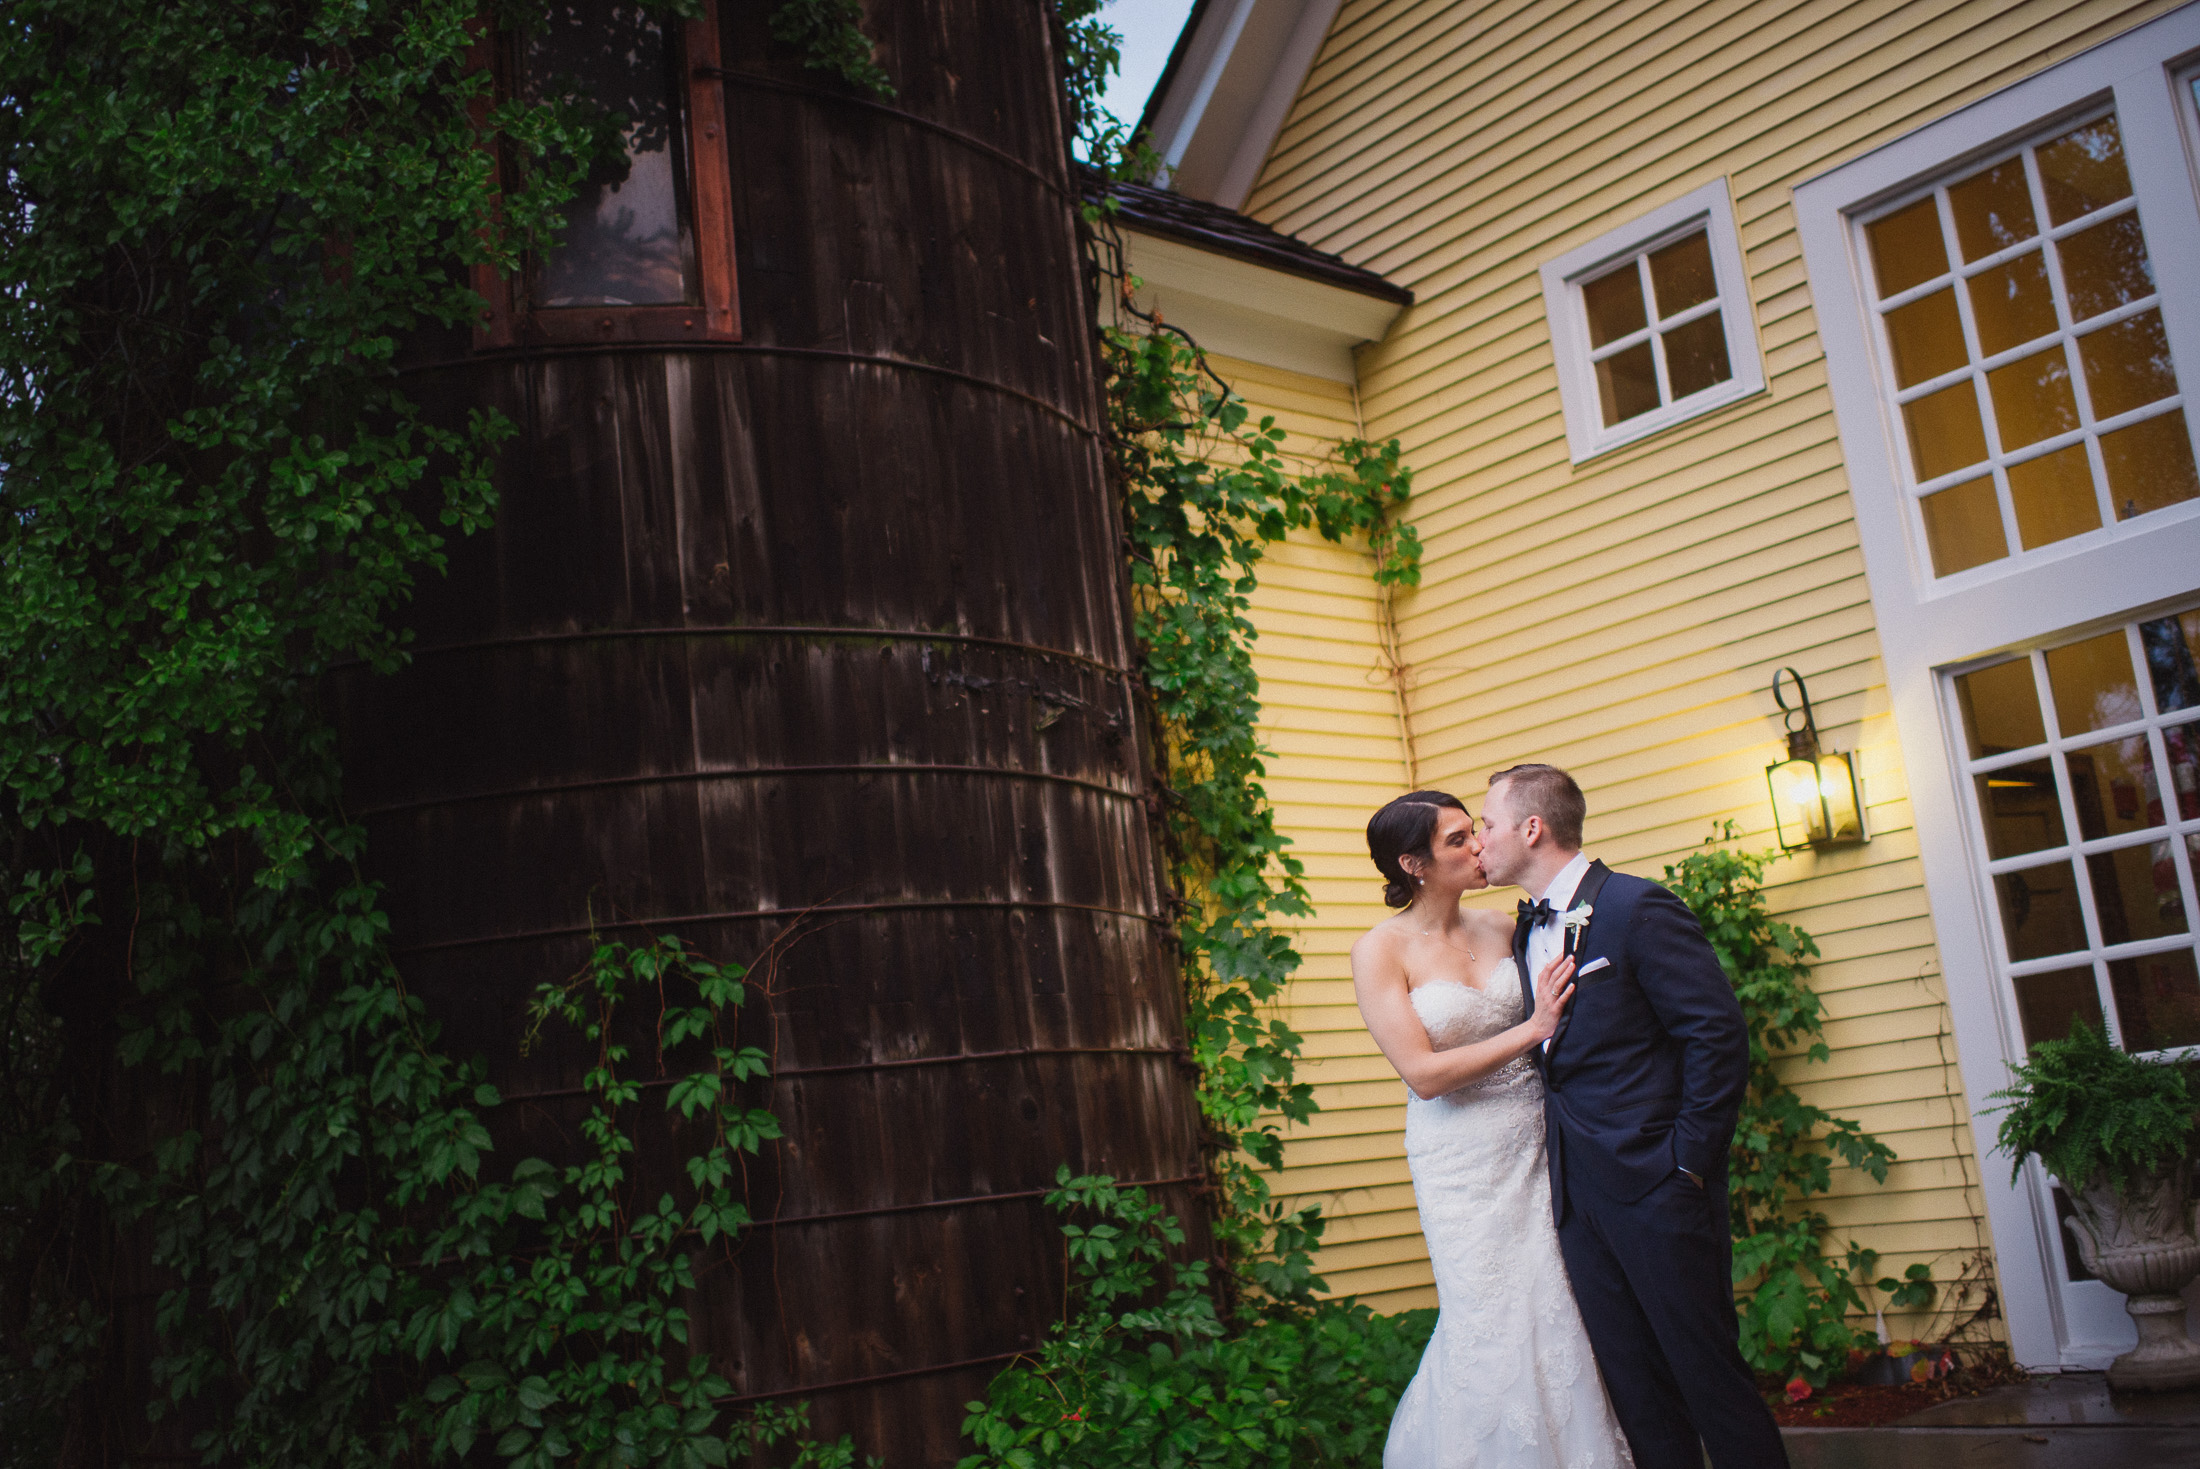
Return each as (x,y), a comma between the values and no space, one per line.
(2083,762)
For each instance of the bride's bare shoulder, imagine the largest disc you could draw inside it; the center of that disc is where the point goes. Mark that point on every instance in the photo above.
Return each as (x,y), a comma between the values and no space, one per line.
(1384,941)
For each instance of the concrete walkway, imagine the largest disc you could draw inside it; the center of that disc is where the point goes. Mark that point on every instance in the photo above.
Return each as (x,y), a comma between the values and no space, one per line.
(2070,1421)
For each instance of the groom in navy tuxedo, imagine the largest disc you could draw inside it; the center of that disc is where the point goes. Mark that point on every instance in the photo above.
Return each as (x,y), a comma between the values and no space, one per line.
(1643,1081)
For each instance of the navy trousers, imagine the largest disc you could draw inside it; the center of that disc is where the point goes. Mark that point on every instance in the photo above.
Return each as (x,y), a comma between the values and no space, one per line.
(1654,1280)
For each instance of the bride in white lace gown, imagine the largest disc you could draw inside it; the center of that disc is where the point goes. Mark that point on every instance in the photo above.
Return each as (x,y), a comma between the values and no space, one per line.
(1507,1381)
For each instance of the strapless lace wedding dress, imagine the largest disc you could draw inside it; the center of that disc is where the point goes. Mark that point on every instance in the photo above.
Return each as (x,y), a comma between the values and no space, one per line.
(1507,1381)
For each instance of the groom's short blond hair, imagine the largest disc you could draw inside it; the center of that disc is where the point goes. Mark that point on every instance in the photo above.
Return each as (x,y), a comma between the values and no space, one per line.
(1548,792)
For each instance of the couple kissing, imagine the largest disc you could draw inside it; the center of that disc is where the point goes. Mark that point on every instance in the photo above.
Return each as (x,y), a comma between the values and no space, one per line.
(1574,1075)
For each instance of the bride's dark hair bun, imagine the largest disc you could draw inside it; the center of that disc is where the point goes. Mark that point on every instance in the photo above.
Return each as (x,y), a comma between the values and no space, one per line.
(1403,829)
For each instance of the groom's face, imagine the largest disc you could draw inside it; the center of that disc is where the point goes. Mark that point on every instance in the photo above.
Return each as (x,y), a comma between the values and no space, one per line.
(1506,838)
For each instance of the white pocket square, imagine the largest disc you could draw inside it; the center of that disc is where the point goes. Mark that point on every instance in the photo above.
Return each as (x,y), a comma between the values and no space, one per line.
(1592,967)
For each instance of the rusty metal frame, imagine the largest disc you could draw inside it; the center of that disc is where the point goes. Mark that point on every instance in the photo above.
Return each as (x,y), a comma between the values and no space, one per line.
(1012,1197)
(846,1382)
(908,119)
(538,351)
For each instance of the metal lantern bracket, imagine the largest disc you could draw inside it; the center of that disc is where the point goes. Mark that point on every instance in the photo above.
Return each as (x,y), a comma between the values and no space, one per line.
(1802,743)
(1816,798)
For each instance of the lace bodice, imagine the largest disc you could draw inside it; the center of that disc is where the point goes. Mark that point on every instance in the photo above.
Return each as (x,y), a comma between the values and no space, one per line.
(1507,1381)
(1457,1015)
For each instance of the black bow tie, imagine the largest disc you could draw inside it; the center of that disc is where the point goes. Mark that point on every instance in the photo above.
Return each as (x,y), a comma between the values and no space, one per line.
(1539,911)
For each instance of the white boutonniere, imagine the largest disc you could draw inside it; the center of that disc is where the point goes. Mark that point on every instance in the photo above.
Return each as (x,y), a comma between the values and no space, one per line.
(1574,920)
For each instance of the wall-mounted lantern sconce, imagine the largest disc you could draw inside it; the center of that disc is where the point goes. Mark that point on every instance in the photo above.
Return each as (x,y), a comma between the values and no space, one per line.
(1815,800)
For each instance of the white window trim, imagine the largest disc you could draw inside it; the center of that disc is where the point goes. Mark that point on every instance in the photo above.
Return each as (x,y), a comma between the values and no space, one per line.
(1711,206)
(1927,630)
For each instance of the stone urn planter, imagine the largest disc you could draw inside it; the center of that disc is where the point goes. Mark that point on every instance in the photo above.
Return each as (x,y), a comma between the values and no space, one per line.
(2145,1242)
(2120,1131)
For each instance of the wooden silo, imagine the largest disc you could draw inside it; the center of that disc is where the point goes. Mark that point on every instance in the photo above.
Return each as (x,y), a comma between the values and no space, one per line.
(817,612)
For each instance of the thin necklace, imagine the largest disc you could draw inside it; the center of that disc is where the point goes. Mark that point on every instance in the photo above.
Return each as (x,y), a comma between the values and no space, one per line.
(1447,943)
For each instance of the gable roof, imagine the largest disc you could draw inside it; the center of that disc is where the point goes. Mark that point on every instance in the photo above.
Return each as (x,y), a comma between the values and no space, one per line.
(1236,68)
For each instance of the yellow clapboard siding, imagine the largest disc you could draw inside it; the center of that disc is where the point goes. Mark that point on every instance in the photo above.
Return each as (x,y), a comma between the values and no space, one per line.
(1621,617)
(1370,1254)
(1342,1180)
(1394,1288)
(1370,1225)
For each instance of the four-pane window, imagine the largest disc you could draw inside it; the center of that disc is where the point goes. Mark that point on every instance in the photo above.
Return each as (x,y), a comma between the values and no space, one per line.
(1650,323)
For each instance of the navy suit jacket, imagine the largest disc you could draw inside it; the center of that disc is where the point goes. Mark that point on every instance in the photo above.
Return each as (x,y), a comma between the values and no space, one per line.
(1649,1065)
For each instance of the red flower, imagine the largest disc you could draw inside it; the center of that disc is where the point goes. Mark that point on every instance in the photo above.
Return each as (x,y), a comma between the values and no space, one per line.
(1797,1389)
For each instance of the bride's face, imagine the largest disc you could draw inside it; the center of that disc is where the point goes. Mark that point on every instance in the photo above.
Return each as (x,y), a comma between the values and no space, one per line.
(1455,856)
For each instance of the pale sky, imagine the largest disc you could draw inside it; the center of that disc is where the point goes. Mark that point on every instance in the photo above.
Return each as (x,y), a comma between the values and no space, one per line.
(1149,29)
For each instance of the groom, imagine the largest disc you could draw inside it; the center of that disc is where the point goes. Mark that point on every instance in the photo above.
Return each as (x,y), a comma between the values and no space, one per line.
(1643,1081)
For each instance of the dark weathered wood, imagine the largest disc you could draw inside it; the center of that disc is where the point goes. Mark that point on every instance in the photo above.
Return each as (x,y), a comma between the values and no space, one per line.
(831,620)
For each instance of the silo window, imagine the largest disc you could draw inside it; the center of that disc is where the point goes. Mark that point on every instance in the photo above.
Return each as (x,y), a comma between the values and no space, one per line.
(627,238)
(646,252)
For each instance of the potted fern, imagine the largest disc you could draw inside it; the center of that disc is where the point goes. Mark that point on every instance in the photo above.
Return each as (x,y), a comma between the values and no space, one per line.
(2117,1132)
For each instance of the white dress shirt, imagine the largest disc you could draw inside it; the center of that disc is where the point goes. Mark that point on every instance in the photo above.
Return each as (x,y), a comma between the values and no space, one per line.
(1546,939)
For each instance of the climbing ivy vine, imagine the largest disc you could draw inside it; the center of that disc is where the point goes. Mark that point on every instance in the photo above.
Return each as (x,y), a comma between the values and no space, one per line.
(217,221)
(829,35)
(1205,488)
(1168,1360)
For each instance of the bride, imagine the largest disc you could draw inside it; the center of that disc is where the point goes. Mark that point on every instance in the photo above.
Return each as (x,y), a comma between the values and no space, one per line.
(1507,1381)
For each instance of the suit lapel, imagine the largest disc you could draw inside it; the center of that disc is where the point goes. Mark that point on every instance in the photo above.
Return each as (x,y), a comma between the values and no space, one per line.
(1592,883)
(1520,964)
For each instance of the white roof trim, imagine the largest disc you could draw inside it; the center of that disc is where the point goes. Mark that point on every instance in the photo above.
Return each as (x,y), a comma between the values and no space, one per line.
(1253,312)
(1210,55)
(1227,100)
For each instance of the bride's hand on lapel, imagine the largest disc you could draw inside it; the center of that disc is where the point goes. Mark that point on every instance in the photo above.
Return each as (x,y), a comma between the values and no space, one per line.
(1554,989)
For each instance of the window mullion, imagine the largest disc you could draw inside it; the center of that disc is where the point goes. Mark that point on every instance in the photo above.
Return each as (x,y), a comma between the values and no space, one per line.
(1657,338)
(1620,344)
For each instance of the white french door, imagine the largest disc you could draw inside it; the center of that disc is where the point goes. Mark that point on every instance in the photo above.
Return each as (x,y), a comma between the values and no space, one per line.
(2080,782)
